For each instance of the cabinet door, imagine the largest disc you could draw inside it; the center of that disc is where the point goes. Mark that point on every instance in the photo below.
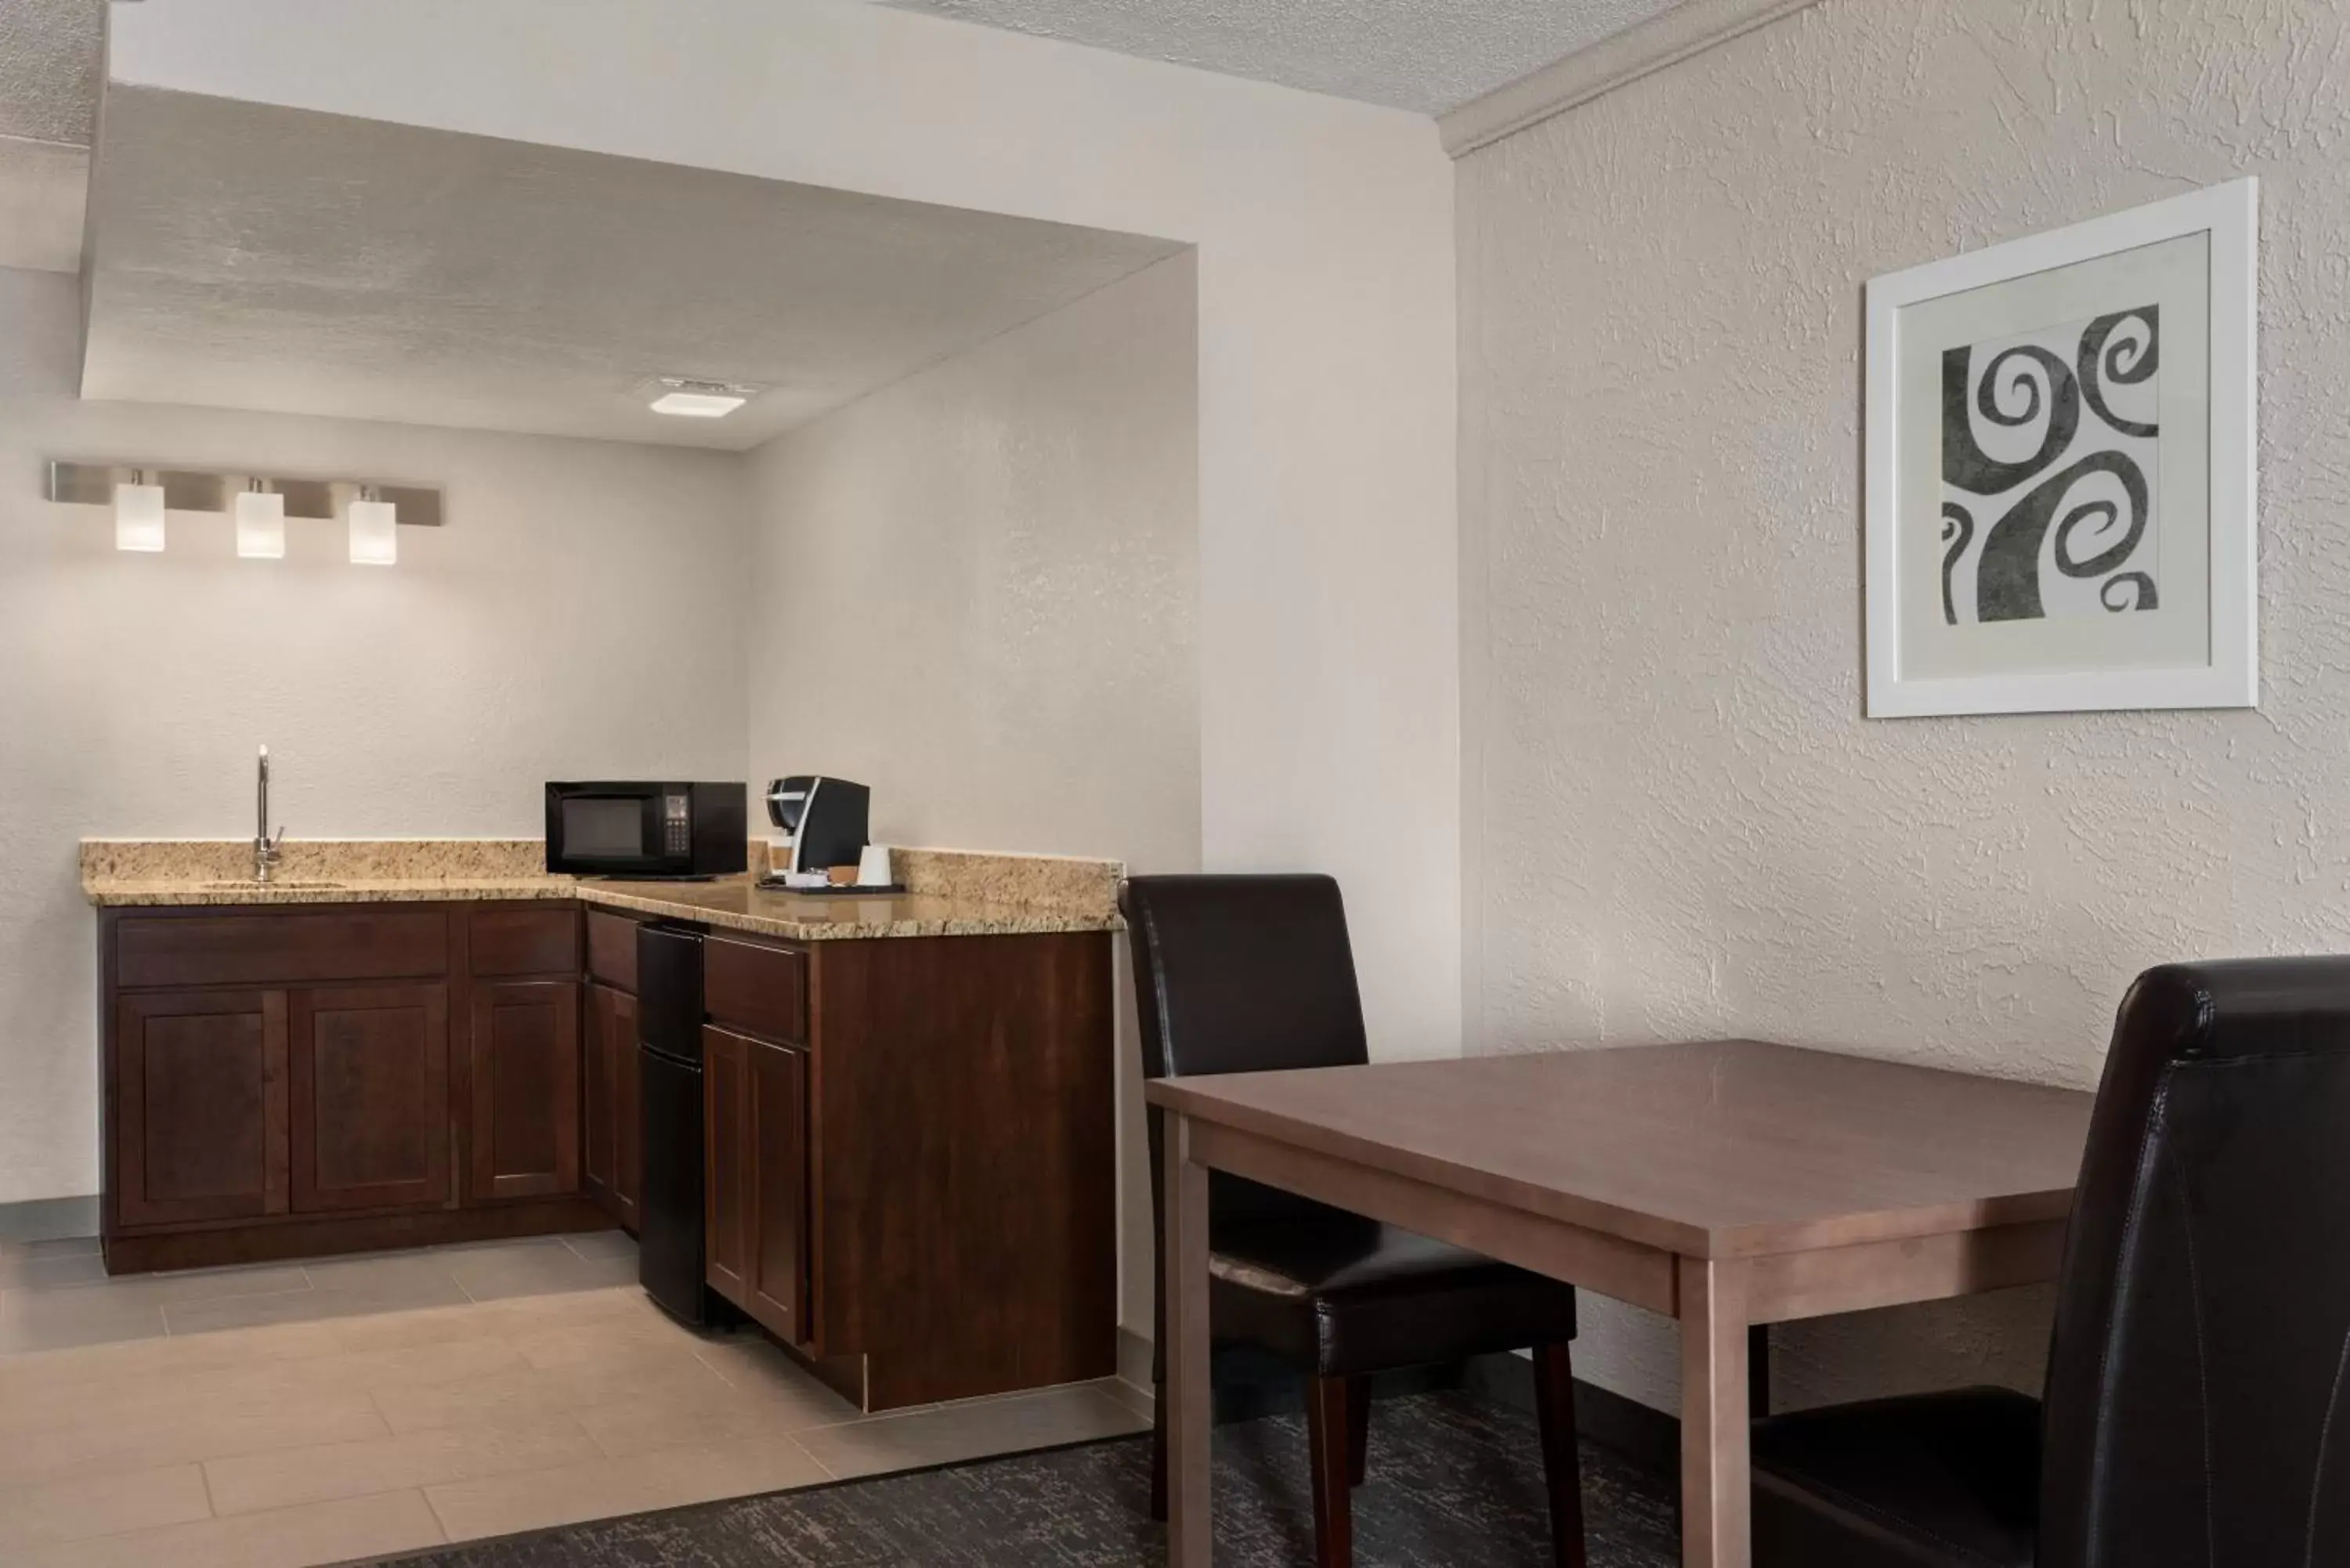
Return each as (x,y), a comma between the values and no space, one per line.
(776,1225)
(370,1101)
(726,1176)
(525,1088)
(611,1157)
(199,1105)
(597,1065)
(628,1112)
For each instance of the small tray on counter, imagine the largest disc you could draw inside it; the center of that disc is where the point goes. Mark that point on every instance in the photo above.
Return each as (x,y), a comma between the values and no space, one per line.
(832,891)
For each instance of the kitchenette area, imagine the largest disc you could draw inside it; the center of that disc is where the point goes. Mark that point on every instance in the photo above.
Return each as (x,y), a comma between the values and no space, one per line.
(877,1125)
(523,1117)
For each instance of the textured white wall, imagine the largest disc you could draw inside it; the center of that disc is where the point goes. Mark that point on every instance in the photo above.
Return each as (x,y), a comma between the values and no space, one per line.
(1677,823)
(1328,627)
(978,592)
(580,616)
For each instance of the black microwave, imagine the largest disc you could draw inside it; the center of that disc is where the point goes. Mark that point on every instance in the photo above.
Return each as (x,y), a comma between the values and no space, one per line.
(680,830)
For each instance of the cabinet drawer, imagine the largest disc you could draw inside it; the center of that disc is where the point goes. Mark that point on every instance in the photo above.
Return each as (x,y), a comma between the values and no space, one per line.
(524,942)
(761,988)
(291,949)
(612,950)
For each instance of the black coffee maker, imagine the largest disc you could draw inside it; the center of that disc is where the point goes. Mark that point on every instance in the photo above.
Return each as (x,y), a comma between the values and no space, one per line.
(826,819)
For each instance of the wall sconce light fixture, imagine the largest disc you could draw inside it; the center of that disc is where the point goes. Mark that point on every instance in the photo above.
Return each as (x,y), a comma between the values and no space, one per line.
(138,513)
(260,524)
(261,504)
(375,533)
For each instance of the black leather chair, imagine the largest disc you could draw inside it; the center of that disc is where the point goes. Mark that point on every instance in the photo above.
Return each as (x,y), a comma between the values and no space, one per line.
(2197,1410)
(1242,974)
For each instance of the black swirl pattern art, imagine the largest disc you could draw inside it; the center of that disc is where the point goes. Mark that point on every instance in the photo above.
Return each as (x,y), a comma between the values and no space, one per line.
(2122,349)
(2048,473)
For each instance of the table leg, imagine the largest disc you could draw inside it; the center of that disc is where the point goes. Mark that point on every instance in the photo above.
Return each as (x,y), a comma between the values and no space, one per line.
(1716,1482)
(1185,1287)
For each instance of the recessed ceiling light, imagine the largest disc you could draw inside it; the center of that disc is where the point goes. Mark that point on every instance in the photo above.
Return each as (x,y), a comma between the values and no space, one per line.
(694,399)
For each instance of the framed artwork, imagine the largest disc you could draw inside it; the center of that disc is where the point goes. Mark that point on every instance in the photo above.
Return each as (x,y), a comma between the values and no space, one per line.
(2060,485)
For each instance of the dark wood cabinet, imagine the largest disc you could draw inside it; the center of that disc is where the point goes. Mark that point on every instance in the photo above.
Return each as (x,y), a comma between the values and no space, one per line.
(909,1170)
(727,1172)
(280,947)
(370,1117)
(612,950)
(628,1118)
(757,986)
(611,1145)
(200,1106)
(754,1193)
(911,1173)
(535,940)
(288,1081)
(774,1226)
(525,1085)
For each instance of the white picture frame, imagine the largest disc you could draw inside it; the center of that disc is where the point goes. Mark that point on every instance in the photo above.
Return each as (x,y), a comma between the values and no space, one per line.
(1972,650)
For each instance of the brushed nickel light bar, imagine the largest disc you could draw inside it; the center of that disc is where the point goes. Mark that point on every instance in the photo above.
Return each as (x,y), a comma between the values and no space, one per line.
(195,489)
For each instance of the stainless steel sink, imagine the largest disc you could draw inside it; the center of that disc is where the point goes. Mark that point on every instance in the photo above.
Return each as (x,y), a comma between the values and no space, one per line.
(282,882)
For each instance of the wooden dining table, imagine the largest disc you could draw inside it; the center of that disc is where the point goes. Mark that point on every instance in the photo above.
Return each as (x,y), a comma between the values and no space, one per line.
(1723,1183)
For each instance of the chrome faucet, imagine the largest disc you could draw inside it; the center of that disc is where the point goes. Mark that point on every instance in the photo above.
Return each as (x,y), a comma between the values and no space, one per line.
(265,848)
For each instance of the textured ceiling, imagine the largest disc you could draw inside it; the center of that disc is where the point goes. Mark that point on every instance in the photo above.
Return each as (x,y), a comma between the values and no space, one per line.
(48,68)
(250,256)
(1425,55)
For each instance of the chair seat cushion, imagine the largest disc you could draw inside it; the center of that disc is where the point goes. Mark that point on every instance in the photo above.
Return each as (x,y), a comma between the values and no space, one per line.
(1934,1481)
(1338,1294)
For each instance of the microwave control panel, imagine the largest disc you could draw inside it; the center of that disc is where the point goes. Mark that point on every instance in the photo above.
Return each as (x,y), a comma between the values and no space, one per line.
(677,825)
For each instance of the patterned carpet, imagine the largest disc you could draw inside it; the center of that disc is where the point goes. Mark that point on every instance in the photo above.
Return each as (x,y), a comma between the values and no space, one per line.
(1454,1479)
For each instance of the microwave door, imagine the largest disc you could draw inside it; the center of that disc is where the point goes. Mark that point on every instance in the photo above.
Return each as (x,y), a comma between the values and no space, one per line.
(612,832)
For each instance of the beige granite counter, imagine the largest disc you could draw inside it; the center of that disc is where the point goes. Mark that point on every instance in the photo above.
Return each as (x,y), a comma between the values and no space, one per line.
(119,873)
(949,892)
(737,905)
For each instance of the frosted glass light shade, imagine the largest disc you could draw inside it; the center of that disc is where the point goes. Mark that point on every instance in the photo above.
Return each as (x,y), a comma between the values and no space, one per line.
(261,526)
(138,517)
(375,533)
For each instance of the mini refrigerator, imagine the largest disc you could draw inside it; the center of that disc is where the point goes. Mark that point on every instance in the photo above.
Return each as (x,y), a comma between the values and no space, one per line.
(671,1258)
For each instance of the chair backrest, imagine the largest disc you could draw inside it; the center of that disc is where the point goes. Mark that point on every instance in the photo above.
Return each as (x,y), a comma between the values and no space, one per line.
(2196,1411)
(1243,974)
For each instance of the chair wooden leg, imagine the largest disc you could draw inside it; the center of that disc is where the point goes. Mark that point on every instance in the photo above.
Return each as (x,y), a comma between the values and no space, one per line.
(1358,1429)
(1158,1452)
(1334,1507)
(1554,1411)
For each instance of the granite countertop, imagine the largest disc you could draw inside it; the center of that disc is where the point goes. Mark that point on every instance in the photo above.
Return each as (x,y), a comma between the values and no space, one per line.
(157,892)
(737,905)
(949,892)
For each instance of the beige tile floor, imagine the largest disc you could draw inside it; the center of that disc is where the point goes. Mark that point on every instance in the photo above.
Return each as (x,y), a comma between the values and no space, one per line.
(281,1416)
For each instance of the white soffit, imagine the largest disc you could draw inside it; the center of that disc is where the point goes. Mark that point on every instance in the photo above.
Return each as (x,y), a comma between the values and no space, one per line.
(244,255)
(41,188)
